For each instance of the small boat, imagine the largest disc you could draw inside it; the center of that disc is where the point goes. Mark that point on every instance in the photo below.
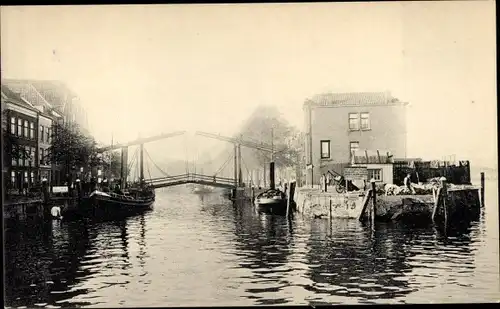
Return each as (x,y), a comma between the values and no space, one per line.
(273,200)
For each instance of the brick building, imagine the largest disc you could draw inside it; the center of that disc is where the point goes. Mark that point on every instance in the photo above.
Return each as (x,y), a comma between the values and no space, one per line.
(21,121)
(57,104)
(337,124)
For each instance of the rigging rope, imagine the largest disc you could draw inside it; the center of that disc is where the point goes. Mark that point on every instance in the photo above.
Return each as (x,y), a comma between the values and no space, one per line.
(131,162)
(162,171)
(147,165)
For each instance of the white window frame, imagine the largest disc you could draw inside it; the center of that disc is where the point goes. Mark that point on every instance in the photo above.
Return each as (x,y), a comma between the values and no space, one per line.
(372,174)
(32,130)
(41,133)
(13,126)
(354,116)
(366,116)
(327,142)
(19,127)
(351,150)
(26,131)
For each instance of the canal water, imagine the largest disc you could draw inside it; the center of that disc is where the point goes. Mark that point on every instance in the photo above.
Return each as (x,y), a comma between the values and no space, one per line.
(194,251)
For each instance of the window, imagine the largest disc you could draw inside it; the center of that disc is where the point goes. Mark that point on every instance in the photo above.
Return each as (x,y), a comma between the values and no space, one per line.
(32,130)
(41,156)
(32,156)
(14,161)
(365,121)
(47,134)
(19,126)
(375,174)
(353,122)
(32,177)
(13,178)
(41,133)
(13,125)
(353,146)
(325,149)
(27,153)
(25,177)
(26,126)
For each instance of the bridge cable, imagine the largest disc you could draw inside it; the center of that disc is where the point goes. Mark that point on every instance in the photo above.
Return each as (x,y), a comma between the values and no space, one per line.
(152,161)
(224,164)
(246,167)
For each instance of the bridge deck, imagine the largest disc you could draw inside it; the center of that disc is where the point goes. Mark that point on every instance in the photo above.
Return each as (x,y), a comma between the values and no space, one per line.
(220,182)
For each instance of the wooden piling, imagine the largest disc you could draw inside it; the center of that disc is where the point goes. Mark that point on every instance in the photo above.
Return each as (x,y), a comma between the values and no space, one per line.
(374,202)
(288,199)
(482,189)
(363,214)
(436,203)
(444,193)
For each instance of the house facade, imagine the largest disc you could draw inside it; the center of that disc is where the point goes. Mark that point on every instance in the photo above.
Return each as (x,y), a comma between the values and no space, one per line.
(338,124)
(57,104)
(21,169)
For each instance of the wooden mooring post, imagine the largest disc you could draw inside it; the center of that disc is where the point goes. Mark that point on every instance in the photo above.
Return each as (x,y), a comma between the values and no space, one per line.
(482,189)
(374,203)
(441,199)
(444,192)
(288,198)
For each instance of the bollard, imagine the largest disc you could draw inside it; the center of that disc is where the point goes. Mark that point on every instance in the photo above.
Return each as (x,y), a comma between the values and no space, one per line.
(482,189)
(444,192)
(374,201)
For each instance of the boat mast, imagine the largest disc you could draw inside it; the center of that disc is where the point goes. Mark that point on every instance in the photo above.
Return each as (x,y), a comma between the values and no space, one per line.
(142,162)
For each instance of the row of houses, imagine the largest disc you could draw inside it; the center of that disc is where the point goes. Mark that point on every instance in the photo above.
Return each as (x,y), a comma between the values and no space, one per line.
(30,109)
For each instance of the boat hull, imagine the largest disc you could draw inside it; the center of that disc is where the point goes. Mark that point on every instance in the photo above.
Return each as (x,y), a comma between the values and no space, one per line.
(108,207)
(270,205)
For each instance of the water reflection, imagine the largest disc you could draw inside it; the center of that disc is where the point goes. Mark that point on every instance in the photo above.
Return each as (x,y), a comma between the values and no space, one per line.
(47,260)
(263,241)
(345,261)
(245,256)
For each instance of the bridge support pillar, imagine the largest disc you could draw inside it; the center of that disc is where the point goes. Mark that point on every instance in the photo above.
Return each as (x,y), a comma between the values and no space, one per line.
(240,174)
(235,165)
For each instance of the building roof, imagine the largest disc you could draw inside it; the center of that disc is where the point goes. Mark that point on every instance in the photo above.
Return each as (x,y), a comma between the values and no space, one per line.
(353,99)
(15,98)
(28,92)
(53,91)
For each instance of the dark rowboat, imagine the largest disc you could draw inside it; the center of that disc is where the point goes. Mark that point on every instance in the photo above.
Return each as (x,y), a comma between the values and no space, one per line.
(273,201)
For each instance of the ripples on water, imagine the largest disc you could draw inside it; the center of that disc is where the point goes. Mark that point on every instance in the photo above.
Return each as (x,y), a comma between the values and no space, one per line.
(193,251)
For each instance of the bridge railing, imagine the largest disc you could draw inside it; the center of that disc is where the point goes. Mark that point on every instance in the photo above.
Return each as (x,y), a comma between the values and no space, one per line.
(192,177)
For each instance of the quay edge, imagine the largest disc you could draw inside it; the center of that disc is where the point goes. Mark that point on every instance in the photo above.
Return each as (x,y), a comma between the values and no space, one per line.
(463,203)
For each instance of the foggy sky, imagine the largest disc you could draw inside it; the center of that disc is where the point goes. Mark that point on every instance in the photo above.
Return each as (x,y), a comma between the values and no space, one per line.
(160,68)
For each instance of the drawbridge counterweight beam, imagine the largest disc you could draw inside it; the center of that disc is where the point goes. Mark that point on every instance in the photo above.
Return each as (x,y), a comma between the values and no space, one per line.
(140,141)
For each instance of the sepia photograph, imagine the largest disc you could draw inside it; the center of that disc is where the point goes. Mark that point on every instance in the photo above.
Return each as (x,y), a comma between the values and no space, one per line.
(251,154)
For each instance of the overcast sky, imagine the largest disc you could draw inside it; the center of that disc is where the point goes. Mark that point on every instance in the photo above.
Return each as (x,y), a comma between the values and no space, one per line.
(159,68)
